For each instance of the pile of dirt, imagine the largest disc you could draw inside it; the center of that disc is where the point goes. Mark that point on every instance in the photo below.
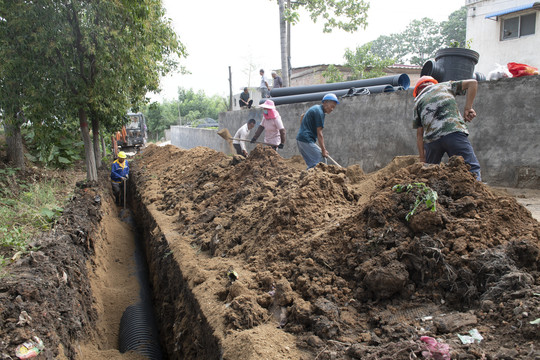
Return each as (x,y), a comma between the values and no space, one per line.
(327,254)
(46,293)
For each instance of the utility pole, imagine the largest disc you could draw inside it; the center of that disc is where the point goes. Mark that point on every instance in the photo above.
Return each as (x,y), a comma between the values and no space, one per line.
(289,66)
(230,89)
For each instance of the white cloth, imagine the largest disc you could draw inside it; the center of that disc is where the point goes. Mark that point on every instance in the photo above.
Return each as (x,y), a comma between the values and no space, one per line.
(242,133)
(271,130)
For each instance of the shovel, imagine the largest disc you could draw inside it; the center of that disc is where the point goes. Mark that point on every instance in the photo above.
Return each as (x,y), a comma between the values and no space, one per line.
(334,161)
(224,133)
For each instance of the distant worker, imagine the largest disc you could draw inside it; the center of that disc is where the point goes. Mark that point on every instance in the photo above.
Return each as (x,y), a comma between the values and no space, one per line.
(263,88)
(119,175)
(271,124)
(278,82)
(245,99)
(243,133)
(311,130)
(440,126)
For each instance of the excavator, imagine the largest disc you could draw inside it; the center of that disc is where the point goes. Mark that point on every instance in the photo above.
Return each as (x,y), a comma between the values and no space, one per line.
(132,136)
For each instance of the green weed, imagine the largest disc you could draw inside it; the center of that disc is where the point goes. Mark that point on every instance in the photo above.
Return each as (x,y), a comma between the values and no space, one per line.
(424,194)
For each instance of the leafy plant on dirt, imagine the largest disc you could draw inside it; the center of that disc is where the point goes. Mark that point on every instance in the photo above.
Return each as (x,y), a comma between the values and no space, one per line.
(424,194)
(56,147)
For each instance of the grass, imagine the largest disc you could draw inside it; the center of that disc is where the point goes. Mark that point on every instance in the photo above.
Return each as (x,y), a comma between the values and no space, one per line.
(26,209)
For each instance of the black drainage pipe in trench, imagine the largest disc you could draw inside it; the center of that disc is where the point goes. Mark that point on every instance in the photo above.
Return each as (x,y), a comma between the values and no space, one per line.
(136,334)
(138,328)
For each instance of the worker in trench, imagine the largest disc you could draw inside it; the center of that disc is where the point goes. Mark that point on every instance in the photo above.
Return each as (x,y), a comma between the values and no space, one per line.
(271,124)
(440,126)
(119,176)
(311,130)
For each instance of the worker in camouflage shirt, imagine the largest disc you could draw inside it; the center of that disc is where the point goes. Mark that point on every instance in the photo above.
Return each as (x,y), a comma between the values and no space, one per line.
(440,127)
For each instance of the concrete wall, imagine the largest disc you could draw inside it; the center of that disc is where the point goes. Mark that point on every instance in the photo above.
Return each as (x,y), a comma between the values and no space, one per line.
(372,130)
(485,35)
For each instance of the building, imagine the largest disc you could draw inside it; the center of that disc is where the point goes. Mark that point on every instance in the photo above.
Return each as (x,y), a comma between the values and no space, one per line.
(503,31)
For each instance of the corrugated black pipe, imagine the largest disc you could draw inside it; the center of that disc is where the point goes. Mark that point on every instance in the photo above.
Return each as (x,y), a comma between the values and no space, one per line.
(137,334)
(292,99)
(394,80)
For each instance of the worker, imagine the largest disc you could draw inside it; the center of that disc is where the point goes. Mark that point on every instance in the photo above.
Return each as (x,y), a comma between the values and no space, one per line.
(311,130)
(119,176)
(271,124)
(243,133)
(440,126)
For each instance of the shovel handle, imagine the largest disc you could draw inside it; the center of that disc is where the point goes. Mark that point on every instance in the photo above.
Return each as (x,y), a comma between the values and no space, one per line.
(334,161)
(256,142)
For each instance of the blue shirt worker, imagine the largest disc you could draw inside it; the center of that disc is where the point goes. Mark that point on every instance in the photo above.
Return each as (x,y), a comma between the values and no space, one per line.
(119,175)
(311,131)
(440,126)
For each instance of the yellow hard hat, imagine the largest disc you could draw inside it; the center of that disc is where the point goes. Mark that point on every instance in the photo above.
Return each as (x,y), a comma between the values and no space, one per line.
(122,155)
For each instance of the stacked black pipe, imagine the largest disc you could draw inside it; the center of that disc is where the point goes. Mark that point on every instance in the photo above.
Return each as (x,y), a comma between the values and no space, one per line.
(296,94)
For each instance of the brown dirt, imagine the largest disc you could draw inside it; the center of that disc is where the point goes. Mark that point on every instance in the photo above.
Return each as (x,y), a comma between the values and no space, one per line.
(75,283)
(328,267)
(327,257)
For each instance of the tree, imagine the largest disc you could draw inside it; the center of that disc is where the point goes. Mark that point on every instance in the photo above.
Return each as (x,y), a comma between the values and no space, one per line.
(346,15)
(455,28)
(87,57)
(362,63)
(422,38)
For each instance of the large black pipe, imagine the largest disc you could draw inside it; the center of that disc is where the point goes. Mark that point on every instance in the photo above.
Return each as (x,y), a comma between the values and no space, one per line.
(394,80)
(292,99)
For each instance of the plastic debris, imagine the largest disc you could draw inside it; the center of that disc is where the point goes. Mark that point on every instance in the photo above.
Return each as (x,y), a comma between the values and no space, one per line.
(535,322)
(475,336)
(24,318)
(29,349)
(435,350)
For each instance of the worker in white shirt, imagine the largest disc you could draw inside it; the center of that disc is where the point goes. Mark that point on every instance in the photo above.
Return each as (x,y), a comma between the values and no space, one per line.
(243,133)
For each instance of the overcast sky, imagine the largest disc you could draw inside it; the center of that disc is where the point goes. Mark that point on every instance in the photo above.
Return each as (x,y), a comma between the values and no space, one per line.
(237,33)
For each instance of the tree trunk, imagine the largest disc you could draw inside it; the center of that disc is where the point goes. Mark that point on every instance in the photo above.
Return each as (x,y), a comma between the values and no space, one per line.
(15,153)
(90,160)
(95,141)
(283,40)
(103,149)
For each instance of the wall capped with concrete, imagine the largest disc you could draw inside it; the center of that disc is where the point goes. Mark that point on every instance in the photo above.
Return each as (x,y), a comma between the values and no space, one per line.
(372,130)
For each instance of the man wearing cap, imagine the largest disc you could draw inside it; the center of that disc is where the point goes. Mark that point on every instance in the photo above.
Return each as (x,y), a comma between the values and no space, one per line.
(440,126)
(271,124)
(311,130)
(119,175)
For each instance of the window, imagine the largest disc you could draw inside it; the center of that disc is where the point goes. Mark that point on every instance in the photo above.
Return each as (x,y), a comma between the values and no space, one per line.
(515,27)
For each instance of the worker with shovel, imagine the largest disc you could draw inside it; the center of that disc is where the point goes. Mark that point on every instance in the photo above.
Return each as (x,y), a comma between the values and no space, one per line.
(271,124)
(242,135)
(119,176)
(311,130)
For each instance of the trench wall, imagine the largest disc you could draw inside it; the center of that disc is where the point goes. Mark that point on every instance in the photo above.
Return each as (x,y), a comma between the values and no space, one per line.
(372,130)
(183,329)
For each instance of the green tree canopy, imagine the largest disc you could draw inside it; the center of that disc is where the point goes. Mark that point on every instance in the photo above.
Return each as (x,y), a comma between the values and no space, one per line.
(86,60)
(362,63)
(422,38)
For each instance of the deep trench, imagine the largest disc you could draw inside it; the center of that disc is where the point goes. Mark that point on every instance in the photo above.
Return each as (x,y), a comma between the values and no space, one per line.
(181,328)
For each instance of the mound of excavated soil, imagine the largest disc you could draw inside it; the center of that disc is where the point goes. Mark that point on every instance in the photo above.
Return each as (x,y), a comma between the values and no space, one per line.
(327,254)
